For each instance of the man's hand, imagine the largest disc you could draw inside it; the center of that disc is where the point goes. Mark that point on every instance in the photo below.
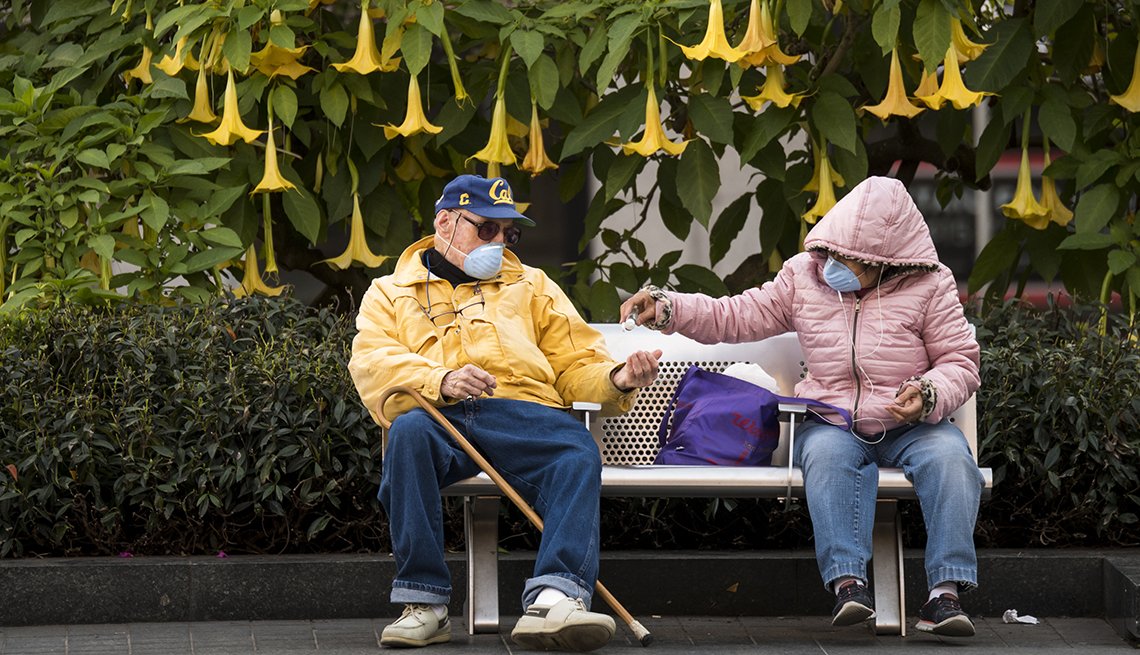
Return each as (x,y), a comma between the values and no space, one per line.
(642,306)
(467,381)
(640,370)
(908,405)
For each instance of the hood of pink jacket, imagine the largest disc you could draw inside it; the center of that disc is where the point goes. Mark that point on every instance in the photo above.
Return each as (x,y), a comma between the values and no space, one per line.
(876,223)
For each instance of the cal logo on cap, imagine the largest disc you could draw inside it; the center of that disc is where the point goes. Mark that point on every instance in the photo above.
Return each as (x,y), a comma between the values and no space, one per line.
(500,193)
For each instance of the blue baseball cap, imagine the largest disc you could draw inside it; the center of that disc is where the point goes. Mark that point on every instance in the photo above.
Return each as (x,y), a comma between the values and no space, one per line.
(488,198)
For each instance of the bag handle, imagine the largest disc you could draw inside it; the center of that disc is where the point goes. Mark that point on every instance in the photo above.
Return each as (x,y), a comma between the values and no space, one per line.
(811,402)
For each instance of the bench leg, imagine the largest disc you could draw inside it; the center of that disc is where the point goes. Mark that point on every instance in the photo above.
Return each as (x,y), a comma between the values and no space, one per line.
(887,561)
(481,529)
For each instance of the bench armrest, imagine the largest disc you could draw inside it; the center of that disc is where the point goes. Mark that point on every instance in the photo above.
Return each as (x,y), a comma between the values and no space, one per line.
(586,408)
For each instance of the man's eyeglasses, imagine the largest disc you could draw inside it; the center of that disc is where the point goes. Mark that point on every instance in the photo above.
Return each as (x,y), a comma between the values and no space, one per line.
(488,230)
(446,318)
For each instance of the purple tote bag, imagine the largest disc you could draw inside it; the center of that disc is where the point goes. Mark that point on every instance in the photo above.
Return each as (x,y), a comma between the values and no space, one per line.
(724,421)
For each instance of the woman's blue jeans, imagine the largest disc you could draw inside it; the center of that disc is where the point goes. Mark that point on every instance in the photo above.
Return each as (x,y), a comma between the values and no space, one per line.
(841,480)
(546,454)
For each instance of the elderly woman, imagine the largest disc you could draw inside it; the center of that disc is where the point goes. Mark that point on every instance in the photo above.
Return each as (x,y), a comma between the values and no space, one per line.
(884,336)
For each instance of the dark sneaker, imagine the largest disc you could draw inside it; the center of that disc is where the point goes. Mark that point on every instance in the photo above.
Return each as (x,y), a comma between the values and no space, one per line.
(944,616)
(566,625)
(853,605)
(417,626)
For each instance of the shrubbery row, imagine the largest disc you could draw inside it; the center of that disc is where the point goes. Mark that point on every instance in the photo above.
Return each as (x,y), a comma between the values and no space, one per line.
(234,426)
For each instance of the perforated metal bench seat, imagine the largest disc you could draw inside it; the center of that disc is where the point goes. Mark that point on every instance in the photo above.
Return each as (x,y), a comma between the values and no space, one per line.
(628,445)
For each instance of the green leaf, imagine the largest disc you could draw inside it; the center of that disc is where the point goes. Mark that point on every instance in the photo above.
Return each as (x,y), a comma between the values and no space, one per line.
(220,201)
(334,102)
(698,180)
(430,15)
(1096,208)
(799,15)
(604,302)
(601,122)
(221,236)
(103,245)
(210,258)
(157,211)
(1120,261)
(692,278)
(1048,15)
(284,101)
(620,38)
(1087,241)
(885,25)
(712,117)
(1005,60)
(620,172)
(282,36)
(168,87)
(199,166)
(247,16)
(181,15)
(775,120)
(543,78)
(594,47)
(728,225)
(95,158)
(833,116)
(931,32)
(237,47)
(999,255)
(1093,168)
(485,11)
(303,212)
(1057,123)
(528,44)
(992,144)
(416,46)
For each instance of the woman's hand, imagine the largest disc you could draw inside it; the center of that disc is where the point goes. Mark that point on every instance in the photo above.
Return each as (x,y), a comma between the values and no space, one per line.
(641,306)
(908,405)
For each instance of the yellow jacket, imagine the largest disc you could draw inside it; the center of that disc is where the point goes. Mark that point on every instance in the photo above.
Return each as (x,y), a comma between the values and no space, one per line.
(526,333)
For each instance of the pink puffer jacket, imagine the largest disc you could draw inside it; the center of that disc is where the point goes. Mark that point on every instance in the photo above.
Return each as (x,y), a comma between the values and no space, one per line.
(858,350)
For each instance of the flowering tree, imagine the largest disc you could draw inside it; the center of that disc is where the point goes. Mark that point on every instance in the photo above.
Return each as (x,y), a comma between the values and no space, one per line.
(195,140)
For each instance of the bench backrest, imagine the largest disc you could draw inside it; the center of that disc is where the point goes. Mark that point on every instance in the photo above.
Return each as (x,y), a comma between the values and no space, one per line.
(631,438)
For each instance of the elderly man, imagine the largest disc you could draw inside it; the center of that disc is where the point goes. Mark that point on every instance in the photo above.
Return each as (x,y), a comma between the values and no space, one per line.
(499,348)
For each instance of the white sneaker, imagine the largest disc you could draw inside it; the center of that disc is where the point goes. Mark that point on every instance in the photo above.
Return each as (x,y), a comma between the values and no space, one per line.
(417,626)
(565,625)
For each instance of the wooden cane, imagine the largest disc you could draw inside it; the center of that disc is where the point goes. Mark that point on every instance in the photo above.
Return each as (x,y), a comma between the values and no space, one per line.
(643,636)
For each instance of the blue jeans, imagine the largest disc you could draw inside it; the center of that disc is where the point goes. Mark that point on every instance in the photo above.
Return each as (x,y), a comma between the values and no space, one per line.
(841,480)
(544,453)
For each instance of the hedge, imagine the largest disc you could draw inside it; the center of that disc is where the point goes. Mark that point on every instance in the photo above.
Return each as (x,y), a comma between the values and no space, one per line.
(233,426)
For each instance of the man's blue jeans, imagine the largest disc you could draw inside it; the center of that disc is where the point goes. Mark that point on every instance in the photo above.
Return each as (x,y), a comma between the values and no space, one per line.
(841,480)
(544,453)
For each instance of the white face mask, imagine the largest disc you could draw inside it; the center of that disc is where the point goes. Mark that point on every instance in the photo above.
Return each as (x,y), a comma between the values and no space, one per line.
(482,263)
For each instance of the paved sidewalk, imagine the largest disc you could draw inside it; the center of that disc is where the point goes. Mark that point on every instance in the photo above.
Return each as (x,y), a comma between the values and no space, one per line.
(672,635)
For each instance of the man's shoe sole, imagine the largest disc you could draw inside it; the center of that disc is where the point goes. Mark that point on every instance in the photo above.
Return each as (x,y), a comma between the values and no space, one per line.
(407,642)
(574,637)
(851,614)
(955,626)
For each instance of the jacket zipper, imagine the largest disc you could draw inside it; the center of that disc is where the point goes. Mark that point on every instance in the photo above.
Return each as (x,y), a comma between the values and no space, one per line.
(854,364)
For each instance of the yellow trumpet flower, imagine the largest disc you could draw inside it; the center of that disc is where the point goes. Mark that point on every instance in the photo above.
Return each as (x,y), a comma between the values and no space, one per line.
(825,198)
(231,128)
(274,60)
(536,161)
(173,64)
(357,251)
(967,49)
(715,44)
(895,102)
(1130,99)
(773,91)
(203,110)
(367,58)
(928,85)
(313,4)
(140,72)
(1024,206)
(271,180)
(1058,212)
(817,171)
(760,44)
(415,165)
(953,89)
(653,139)
(251,281)
(415,121)
(497,150)
(456,80)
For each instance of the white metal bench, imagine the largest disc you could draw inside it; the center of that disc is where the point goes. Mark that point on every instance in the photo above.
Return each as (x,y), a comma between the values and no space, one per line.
(628,443)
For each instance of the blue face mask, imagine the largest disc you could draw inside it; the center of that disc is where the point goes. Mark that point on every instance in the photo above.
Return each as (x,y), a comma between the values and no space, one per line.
(839,277)
(484,262)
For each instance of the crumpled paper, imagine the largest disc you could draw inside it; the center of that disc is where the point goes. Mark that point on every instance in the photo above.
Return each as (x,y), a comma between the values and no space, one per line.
(1010,616)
